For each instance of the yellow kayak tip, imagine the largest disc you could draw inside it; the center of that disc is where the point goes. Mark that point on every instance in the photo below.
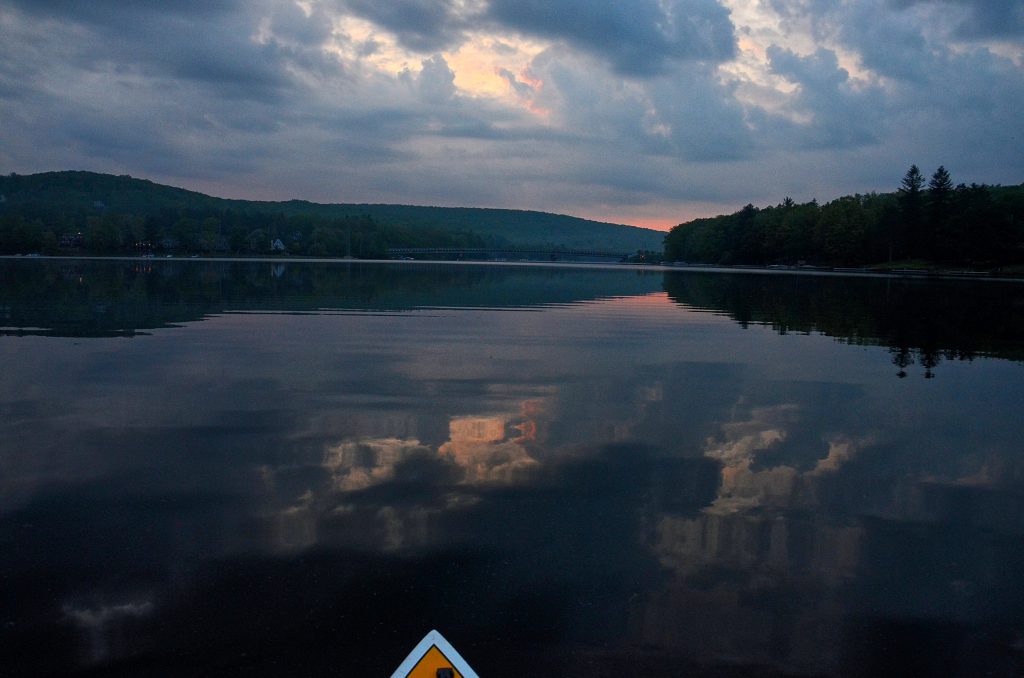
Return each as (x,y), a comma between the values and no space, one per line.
(434,657)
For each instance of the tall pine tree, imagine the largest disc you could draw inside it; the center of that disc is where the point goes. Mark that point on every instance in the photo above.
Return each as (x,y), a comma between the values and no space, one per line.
(911,202)
(940,243)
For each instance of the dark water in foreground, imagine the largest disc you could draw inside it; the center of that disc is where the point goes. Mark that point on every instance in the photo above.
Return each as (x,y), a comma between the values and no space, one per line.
(266,469)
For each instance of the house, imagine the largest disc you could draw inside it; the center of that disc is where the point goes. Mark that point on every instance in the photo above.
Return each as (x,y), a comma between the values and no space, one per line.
(68,240)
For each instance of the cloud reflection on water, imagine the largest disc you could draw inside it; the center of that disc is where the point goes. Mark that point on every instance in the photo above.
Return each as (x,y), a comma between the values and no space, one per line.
(581,475)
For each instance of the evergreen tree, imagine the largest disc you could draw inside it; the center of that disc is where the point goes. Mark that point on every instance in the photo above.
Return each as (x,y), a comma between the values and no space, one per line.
(910,198)
(940,194)
(910,187)
(941,184)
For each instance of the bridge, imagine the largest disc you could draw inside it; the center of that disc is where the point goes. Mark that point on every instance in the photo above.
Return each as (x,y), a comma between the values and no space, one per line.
(503,254)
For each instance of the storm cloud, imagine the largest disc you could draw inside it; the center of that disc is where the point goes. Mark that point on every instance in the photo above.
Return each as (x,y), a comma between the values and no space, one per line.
(644,111)
(420,25)
(640,37)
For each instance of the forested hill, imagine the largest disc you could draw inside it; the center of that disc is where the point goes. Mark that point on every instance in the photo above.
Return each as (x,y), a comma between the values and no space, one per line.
(50,205)
(924,222)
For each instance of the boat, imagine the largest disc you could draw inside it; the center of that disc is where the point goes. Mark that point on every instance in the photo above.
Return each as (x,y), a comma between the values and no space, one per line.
(434,657)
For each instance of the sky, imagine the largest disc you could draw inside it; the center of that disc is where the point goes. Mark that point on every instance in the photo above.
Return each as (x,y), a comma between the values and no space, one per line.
(646,112)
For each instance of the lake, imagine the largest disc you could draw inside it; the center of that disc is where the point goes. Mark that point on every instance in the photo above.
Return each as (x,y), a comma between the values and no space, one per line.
(270,468)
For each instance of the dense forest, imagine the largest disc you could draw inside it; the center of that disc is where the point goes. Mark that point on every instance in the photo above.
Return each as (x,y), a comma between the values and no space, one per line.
(78,211)
(931,222)
(68,212)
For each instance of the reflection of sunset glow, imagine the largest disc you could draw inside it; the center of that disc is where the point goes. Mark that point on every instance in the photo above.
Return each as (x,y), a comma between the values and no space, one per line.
(729,532)
(652,299)
(528,431)
(473,430)
(741,488)
(356,465)
(486,447)
(480,447)
(839,452)
(652,307)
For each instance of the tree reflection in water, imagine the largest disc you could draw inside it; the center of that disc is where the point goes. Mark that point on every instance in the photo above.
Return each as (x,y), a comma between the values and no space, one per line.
(297,469)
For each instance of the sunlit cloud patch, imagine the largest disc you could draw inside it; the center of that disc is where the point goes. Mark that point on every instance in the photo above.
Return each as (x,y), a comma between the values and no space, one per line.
(648,111)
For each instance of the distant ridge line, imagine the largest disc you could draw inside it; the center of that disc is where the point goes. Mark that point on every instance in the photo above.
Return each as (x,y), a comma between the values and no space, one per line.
(83,190)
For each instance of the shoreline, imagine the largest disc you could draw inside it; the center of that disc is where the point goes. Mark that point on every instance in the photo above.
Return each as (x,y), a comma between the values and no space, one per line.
(851,272)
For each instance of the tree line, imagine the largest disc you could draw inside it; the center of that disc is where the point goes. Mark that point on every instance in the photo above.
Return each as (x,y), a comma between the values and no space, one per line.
(934,221)
(191,231)
(77,212)
(61,203)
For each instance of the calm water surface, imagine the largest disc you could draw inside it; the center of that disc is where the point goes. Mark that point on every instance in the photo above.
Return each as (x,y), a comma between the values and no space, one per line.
(299,469)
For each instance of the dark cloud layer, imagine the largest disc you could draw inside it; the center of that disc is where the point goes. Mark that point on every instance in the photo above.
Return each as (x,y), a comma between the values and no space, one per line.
(993,19)
(420,25)
(840,116)
(981,19)
(637,38)
(109,12)
(627,105)
(205,43)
